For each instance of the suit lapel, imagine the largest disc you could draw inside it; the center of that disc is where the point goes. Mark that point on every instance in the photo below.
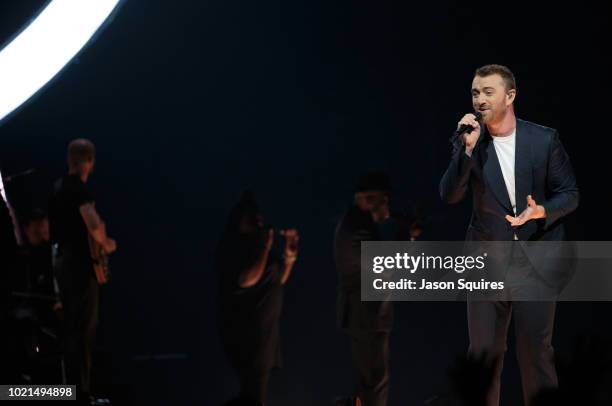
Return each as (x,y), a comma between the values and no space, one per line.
(523,180)
(492,171)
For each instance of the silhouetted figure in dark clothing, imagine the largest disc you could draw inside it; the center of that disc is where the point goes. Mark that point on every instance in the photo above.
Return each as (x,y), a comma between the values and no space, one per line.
(35,268)
(74,223)
(251,278)
(35,305)
(368,324)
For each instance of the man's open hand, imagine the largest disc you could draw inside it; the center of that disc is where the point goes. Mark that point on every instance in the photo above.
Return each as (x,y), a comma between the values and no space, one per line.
(532,212)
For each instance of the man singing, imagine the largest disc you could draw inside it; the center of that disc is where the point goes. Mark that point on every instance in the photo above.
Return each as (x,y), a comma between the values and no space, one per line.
(522,186)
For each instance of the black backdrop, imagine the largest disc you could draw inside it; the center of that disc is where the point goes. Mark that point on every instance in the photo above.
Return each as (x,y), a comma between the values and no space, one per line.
(190,102)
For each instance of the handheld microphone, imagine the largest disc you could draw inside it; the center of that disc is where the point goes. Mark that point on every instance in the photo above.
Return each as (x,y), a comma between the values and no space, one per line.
(466,128)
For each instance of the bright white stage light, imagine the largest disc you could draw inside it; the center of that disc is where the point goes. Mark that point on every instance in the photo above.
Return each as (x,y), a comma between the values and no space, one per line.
(45,46)
(2,192)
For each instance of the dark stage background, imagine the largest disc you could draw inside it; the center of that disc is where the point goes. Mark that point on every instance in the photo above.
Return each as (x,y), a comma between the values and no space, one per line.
(191,102)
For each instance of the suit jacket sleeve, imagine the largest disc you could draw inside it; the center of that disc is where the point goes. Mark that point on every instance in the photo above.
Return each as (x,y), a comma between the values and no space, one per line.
(560,184)
(454,183)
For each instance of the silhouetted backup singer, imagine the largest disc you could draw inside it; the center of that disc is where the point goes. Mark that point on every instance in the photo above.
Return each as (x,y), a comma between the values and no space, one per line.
(522,186)
(368,324)
(251,276)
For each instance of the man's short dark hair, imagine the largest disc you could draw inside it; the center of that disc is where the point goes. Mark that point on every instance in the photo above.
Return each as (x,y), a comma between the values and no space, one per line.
(80,151)
(500,70)
(247,208)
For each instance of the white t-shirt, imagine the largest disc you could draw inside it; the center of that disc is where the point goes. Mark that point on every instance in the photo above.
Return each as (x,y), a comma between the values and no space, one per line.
(505,148)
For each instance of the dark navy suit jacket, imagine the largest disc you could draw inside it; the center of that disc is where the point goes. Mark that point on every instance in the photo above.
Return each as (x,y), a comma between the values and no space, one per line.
(542,169)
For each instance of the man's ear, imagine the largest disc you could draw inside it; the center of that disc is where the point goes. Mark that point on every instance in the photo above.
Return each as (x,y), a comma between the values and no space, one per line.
(510,96)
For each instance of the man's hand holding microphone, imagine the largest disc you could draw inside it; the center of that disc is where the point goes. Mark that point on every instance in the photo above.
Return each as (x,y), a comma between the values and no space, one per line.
(468,131)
